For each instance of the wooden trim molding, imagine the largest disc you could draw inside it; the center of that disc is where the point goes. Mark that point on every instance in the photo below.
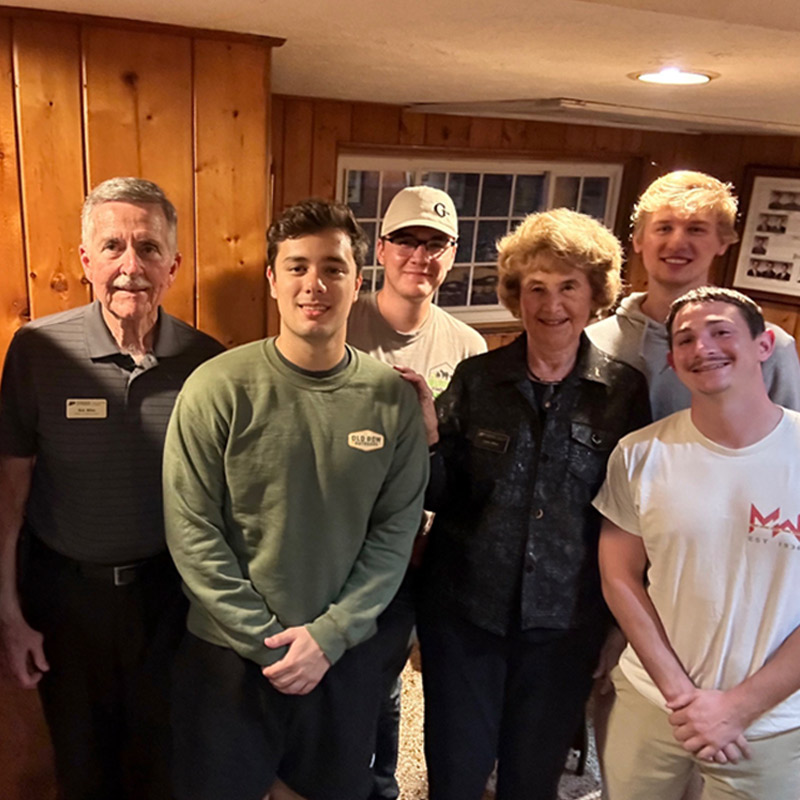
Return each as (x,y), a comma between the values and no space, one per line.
(122,23)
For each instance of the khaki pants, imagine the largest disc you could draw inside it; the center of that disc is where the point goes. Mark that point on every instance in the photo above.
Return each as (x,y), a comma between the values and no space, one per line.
(643,760)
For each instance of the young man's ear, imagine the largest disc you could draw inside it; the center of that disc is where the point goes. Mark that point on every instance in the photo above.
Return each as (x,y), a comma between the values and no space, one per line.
(766,344)
(271,279)
(451,254)
(380,246)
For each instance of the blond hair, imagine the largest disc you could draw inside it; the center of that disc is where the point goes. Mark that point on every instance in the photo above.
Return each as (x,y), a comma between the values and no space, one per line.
(574,238)
(687,193)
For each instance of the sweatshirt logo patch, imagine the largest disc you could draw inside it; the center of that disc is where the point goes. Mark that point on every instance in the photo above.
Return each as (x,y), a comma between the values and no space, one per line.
(367,441)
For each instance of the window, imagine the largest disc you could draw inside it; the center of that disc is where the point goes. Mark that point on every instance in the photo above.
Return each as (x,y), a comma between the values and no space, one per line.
(491,198)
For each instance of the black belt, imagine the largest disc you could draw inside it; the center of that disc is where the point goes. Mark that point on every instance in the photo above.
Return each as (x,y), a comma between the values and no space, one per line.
(115,574)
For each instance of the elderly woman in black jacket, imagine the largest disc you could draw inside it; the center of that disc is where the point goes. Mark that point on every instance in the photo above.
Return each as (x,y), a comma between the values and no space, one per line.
(512,620)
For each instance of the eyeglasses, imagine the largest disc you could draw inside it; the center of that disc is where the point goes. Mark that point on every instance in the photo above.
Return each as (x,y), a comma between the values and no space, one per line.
(407,244)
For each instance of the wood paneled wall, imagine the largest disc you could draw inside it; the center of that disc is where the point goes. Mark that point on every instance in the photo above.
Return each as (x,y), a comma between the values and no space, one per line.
(309,133)
(83,100)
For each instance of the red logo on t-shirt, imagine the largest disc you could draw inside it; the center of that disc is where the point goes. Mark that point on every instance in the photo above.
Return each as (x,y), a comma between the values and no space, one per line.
(770,522)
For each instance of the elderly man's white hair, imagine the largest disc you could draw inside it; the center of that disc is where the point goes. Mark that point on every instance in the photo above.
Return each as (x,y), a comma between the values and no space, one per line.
(129,190)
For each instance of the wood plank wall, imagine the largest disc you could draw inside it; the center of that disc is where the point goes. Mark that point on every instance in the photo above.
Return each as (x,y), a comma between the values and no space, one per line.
(308,134)
(84,99)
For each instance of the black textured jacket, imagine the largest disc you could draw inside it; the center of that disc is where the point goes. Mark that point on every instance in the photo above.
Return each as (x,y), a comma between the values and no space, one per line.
(514,542)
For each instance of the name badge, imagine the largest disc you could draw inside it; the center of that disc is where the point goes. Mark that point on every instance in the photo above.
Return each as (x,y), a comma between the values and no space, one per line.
(87,408)
(491,440)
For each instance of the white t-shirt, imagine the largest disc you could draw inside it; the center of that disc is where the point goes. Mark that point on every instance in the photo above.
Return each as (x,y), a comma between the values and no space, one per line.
(721,528)
(434,349)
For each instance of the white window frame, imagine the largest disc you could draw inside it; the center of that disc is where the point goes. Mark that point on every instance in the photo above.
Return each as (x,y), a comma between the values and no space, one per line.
(416,165)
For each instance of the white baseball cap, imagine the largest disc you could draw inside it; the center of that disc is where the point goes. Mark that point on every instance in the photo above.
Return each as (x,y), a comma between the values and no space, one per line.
(421,205)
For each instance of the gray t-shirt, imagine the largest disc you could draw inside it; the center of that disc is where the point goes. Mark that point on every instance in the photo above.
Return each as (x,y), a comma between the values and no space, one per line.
(434,349)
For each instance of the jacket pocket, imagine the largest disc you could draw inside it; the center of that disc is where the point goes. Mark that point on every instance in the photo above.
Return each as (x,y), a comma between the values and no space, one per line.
(589,449)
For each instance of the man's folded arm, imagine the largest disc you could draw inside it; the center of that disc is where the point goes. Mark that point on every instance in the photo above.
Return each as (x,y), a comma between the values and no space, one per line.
(623,562)
(194,493)
(741,705)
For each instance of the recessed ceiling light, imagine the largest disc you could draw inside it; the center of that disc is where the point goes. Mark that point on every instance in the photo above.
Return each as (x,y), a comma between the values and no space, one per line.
(674,77)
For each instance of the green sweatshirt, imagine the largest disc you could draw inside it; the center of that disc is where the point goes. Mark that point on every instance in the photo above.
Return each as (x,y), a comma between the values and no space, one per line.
(292,500)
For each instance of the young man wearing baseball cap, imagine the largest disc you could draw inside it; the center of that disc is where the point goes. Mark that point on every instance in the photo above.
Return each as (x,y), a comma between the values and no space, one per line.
(401,326)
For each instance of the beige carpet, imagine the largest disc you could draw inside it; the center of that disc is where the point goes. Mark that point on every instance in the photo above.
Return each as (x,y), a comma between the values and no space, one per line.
(411,761)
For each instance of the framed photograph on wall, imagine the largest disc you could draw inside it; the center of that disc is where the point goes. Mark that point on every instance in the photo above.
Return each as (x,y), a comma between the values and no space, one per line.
(766,262)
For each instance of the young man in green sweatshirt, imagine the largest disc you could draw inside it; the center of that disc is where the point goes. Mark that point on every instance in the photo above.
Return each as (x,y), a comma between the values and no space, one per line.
(295,471)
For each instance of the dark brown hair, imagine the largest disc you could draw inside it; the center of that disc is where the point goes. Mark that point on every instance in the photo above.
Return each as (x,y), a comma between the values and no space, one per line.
(313,216)
(749,309)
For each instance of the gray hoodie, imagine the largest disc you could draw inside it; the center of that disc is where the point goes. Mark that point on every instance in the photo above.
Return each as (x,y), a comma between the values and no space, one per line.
(635,339)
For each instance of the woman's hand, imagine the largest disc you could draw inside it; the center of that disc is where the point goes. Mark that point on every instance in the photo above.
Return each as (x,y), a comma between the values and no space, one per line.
(425,396)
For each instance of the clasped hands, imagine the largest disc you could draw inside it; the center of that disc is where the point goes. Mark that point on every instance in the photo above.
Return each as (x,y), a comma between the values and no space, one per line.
(303,666)
(708,723)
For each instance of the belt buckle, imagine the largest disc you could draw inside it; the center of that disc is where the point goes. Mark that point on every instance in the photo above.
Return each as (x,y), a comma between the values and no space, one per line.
(125,574)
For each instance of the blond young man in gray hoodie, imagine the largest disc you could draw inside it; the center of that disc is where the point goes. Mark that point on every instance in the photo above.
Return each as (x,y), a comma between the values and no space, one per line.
(681,223)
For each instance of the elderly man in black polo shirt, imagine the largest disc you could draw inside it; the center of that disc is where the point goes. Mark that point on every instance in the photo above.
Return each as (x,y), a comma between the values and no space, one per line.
(84,404)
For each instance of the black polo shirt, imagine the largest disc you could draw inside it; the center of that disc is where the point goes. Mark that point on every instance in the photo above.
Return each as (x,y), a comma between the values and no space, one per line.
(95,421)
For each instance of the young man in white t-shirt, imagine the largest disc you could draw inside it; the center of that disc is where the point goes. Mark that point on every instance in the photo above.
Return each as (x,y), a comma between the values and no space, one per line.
(700,560)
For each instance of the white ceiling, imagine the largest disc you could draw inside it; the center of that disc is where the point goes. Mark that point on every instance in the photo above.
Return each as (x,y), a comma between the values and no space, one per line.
(478,51)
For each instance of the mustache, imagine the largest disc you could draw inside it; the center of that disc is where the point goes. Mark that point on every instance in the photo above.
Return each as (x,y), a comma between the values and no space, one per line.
(706,362)
(131,284)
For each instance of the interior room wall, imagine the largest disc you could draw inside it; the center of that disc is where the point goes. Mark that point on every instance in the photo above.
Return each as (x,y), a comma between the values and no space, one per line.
(308,133)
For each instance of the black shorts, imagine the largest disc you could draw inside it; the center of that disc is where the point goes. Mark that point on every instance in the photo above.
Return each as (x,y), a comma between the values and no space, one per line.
(234,734)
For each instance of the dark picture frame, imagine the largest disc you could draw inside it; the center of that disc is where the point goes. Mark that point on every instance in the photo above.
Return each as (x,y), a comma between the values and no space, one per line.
(765,263)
